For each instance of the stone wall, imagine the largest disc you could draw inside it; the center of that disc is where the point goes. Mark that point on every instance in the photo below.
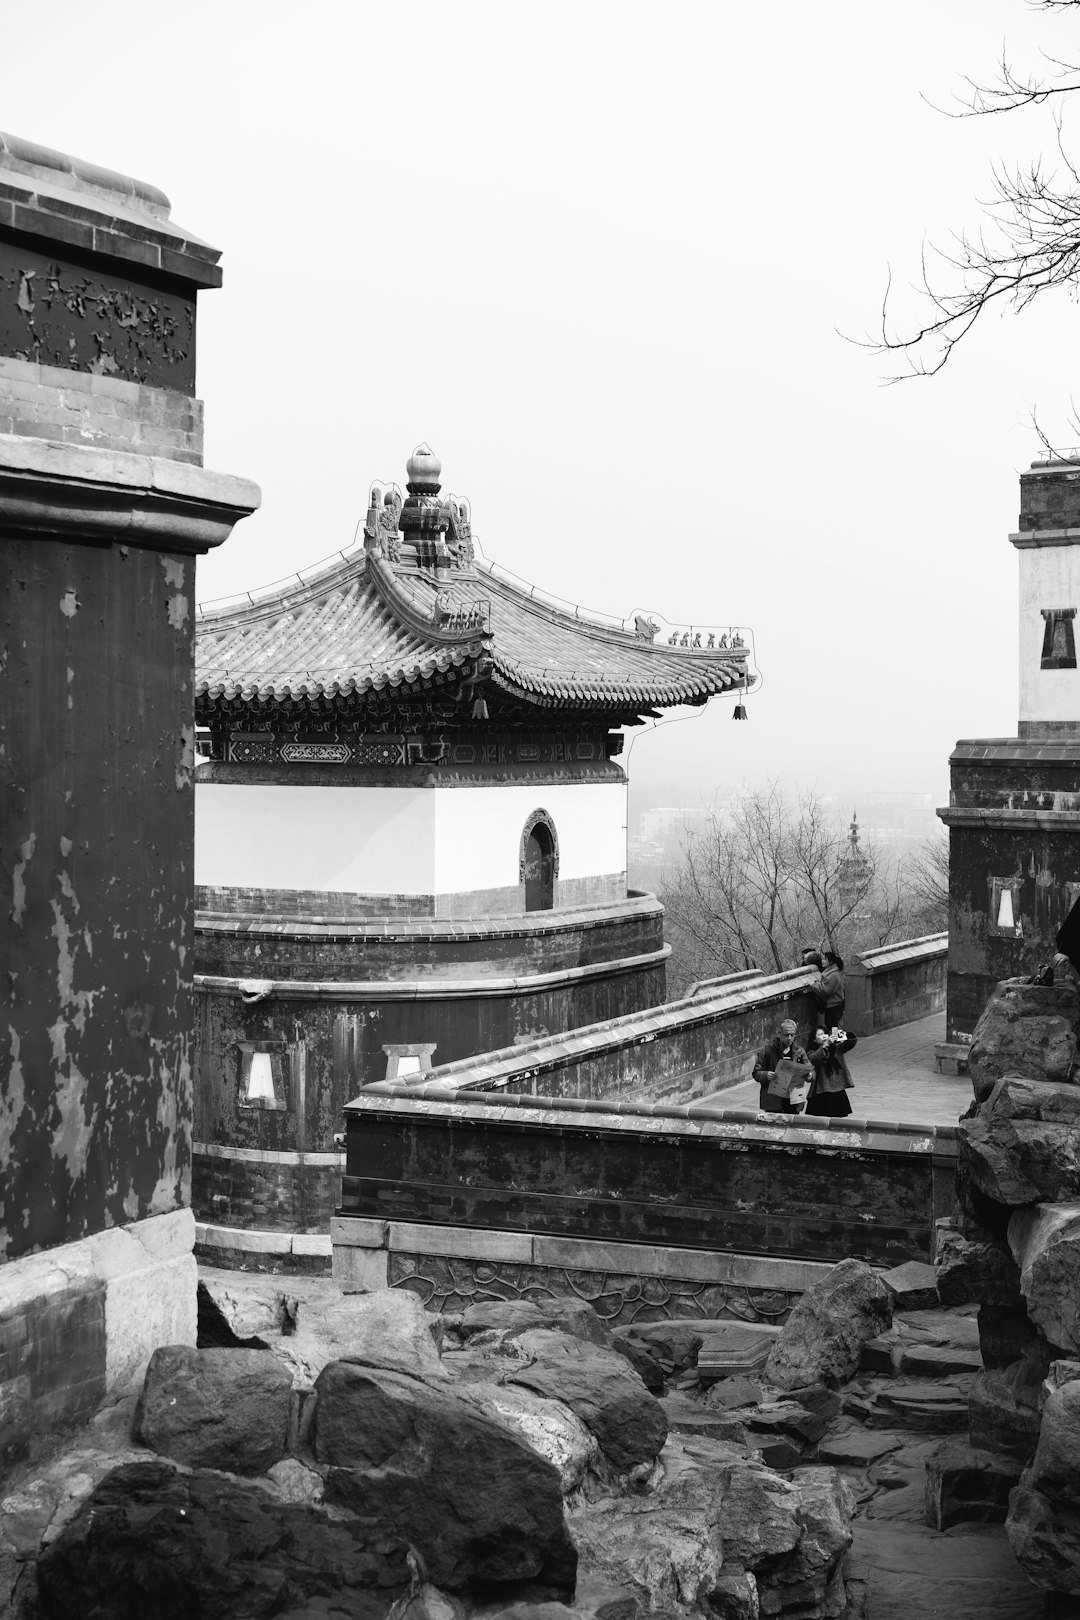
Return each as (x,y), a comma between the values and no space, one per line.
(694,1177)
(896,984)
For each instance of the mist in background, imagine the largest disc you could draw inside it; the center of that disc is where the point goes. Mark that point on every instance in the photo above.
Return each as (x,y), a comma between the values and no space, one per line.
(599,256)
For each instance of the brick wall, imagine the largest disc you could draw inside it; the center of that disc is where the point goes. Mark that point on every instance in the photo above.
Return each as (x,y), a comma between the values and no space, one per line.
(109,413)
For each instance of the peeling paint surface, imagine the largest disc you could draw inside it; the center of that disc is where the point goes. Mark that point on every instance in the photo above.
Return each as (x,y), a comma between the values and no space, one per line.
(96,813)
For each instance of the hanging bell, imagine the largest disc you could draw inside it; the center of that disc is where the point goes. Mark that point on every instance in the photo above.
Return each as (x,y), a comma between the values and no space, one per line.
(479,709)
(740,712)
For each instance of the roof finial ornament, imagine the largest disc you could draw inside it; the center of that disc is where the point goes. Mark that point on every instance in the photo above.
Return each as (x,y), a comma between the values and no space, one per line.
(424,469)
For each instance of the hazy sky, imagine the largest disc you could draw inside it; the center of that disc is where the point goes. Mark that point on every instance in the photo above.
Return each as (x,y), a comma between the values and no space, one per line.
(597,255)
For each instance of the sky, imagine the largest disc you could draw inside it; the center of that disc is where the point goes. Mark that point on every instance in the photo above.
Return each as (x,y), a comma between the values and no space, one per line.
(606,259)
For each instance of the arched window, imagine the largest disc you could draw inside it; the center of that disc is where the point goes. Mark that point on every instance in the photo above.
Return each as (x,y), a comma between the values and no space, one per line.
(538,861)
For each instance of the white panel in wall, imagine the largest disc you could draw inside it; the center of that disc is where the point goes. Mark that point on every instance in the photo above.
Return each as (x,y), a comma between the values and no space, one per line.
(364,840)
(1049,578)
(478,831)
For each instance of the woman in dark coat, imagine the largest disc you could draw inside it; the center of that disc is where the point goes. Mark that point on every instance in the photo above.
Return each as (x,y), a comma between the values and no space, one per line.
(830,992)
(832,1079)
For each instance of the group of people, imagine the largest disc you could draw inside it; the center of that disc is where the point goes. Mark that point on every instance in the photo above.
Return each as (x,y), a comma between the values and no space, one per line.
(814,1079)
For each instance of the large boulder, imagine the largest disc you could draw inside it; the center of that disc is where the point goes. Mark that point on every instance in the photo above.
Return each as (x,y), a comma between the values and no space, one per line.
(1025,1029)
(1055,1470)
(971,1272)
(1003,1406)
(481,1507)
(225,1409)
(237,1308)
(599,1385)
(1045,1539)
(549,1427)
(1023,1145)
(967,1486)
(724,1535)
(1045,1241)
(386,1328)
(821,1340)
(152,1541)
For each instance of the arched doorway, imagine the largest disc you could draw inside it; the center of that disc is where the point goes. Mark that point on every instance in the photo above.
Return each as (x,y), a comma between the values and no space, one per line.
(539,861)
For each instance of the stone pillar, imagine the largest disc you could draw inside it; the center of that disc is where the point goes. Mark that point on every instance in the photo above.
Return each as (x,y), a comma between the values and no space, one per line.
(104,506)
(1014,802)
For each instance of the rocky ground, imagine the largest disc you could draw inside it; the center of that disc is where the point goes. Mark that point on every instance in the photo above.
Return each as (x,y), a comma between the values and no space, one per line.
(330,1456)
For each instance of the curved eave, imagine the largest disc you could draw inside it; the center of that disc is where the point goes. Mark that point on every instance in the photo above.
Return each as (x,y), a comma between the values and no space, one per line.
(414,673)
(696,687)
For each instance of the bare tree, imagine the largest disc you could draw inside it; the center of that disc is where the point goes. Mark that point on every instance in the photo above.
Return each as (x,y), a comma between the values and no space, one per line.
(928,879)
(1030,241)
(764,879)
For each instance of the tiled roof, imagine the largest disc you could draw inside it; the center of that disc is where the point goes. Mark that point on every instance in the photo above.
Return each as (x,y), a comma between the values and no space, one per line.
(366,625)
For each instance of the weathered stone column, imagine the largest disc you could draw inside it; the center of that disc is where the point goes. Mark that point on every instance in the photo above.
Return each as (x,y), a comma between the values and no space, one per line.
(104,505)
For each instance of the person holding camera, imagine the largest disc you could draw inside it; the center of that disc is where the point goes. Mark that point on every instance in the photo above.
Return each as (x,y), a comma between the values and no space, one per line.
(832,1078)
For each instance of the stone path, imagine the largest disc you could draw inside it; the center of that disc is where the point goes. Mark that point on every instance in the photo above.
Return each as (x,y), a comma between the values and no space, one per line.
(894,1078)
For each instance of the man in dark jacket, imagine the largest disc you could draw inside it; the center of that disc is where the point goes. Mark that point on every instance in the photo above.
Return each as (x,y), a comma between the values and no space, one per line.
(782,1045)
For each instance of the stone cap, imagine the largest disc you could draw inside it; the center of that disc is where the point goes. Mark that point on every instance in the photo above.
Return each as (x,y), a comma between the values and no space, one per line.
(98,211)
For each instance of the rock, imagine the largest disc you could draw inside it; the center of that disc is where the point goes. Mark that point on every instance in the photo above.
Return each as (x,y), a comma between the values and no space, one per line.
(1045,1242)
(552,1430)
(1055,1471)
(786,1417)
(797,1568)
(821,1340)
(819,1399)
(643,1360)
(215,1408)
(1053,1104)
(1019,1161)
(938,1407)
(295,1482)
(235,1309)
(676,1342)
(965,1486)
(600,1386)
(1005,1331)
(386,1328)
(857,1447)
(1045,1539)
(1057,1374)
(577,1318)
(665,1541)
(685,1416)
(938,1361)
(913,1286)
(974,1272)
(152,1541)
(709,1520)
(907,1572)
(729,1393)
(422,1460)
(1003,1407)
(494,1316)
(1025,1029)
(735,1597)
(776,1451)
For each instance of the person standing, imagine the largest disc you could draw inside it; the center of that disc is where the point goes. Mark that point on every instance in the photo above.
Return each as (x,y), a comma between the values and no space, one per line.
(832,1078)
(773,1053)
(830,992)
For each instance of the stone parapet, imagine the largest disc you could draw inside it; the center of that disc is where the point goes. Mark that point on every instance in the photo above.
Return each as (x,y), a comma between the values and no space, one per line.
(896,984)
(694,1176)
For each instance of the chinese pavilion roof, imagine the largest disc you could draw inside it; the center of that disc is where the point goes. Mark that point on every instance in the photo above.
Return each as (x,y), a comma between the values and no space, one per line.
(415,609)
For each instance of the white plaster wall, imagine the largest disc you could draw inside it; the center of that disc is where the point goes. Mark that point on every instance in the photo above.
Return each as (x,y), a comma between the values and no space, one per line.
(381,840)
(478,831)
(1049,578)
(366,840)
